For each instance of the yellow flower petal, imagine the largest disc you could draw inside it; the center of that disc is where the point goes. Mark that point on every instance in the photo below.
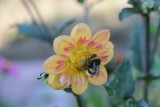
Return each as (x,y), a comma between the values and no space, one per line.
(79,88)
(62,43)
(101,79)
(81,31)
(106,53)
(109,45)
(54,82)
(106,57)
(102,36)
(55,64)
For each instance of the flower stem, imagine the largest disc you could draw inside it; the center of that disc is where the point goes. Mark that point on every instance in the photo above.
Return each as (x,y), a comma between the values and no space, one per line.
(79,101)
(147,67)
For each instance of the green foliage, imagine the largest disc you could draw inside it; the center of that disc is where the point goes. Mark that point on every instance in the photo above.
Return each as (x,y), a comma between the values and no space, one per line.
(32,30)
(120,89)
(147,6)
(137,48)
(142,7)
(123,83)
(81,1)
(4,104)
(38,31)
(95,96)
(154,73)
(126,12)
(95,100)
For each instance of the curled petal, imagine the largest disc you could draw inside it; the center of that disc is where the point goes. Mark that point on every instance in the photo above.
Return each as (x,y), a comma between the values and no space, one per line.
(101,79)
(81,32)
(55,64)
(63,44)
(54,82)
(106,53)
(102,36)
(79,88)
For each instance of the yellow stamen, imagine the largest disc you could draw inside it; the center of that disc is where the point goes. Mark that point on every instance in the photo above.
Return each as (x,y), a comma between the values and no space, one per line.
(80,59)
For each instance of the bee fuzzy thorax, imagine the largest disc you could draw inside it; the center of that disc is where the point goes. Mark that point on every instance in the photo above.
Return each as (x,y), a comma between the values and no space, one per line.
(94,63)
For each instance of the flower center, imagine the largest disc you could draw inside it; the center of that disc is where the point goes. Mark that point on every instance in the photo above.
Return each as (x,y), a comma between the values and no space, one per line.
(80,59)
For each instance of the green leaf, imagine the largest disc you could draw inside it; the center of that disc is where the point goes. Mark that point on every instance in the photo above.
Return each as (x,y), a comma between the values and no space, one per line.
(123,82)
(121,88)
(36,30)
(126,12)
(136,49)
(32,30)
(114,96)
(81,1)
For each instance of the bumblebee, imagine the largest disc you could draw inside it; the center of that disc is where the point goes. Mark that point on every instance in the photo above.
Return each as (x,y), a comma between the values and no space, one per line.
(93,65)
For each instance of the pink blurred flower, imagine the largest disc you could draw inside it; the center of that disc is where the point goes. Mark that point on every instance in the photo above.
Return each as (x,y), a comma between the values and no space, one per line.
(8,67)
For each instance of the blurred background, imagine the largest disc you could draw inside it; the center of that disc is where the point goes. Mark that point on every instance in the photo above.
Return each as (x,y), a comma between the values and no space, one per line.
(21,56)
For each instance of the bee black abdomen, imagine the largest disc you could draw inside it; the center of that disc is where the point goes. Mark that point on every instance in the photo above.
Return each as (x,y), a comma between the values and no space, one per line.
(97,61)
(94,62)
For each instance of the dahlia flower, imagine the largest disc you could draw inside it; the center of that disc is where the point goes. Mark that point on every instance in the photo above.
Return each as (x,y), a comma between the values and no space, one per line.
(69,67)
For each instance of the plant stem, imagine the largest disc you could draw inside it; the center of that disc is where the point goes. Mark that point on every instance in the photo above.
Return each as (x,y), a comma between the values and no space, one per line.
(47,33)
(25,4)
(79,101)
(147,67)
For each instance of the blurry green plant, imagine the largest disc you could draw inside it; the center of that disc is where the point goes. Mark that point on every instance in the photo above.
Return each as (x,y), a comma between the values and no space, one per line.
(5,104)
(142,7)
(81,1)
(121,88)
(142,51)
(38,31)
(137,47)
